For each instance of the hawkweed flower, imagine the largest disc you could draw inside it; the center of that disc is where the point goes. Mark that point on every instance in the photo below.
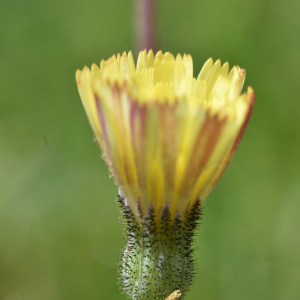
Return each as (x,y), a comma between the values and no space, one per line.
(167,138)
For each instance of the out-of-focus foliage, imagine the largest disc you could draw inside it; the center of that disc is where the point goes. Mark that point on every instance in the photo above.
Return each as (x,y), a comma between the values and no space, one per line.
(60,236)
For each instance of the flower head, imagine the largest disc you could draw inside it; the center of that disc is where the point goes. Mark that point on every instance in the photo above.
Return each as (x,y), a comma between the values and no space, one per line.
(166,136)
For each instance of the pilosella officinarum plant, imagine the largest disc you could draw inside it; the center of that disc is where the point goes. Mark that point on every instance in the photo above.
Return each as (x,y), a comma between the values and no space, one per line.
(167,138)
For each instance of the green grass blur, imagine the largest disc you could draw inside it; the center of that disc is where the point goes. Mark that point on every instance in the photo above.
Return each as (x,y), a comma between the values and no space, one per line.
(60,236)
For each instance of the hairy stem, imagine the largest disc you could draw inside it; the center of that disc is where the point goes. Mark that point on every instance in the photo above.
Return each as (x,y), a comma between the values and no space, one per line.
(158,258)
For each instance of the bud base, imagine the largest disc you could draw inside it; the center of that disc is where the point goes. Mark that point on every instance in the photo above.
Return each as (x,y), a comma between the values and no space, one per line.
(158,257)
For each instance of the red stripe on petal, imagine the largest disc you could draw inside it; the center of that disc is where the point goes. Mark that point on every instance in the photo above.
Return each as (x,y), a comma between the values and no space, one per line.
(168,127)
(243,128)
(138,132)
(102,124)
(202,150)
(225,161)
(121,133)
(107,153)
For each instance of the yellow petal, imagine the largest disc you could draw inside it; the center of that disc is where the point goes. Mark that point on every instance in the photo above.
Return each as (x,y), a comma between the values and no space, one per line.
(166,136)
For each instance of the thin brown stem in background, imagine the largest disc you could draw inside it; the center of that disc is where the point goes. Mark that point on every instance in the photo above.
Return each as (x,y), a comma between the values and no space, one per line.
(145,25)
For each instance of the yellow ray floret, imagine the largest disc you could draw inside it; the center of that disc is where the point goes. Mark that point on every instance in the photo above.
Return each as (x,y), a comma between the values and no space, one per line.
(166,136)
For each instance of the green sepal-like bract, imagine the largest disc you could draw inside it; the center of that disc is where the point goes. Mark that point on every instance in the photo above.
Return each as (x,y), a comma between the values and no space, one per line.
(158,257)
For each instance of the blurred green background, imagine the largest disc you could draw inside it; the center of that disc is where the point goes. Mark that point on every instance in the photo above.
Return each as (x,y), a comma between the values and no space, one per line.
(60,233)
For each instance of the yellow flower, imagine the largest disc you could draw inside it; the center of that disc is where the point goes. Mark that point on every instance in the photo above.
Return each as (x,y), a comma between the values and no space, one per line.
(166,136)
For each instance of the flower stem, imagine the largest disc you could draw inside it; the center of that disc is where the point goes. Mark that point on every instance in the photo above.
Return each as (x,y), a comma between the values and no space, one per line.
(158,258)
(145,25)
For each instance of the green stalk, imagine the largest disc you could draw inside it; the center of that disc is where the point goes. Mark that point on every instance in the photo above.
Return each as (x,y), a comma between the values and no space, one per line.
(158,258)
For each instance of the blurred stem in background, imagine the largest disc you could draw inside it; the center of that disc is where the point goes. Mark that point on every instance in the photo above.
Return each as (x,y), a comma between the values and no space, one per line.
(145,25)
